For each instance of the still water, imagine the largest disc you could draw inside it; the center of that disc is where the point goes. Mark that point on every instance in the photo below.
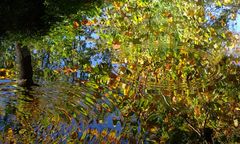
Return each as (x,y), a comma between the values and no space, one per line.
(58,112)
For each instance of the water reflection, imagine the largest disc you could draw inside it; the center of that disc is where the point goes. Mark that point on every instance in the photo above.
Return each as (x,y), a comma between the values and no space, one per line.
(57,112)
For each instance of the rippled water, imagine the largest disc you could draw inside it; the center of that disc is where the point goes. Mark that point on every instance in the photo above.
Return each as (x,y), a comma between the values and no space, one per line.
(60,112)
(57,112)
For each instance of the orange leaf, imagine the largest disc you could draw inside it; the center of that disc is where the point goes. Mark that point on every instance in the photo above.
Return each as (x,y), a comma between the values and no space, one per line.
(168,66)
(128,33)
(68,70)
(212,17)
(87,22)
(197,111)
(75,24)
(117,5)
(116,45)
(104,133)
(167,14)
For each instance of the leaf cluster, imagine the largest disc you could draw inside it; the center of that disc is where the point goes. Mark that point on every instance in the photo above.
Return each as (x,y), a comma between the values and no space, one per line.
(173,69)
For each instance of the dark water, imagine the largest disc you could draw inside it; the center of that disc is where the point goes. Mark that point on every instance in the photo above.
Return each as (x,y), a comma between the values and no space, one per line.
(58,113)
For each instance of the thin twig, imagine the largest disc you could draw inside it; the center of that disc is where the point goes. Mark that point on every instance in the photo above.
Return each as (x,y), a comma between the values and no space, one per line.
(189,124)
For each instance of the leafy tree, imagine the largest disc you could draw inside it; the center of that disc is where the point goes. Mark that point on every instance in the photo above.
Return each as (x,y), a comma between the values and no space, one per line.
(35,23)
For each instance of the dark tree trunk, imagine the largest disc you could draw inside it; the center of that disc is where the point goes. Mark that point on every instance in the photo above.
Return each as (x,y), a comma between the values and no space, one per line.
(24,65)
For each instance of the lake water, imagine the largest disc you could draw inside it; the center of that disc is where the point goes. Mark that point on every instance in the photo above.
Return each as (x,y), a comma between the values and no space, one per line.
(58,112)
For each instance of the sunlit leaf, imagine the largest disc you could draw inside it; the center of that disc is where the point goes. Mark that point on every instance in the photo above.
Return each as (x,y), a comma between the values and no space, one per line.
(75,24)
(218,3)
(116,45)
(227,1)
(197,111)
(170,19)
(22,131)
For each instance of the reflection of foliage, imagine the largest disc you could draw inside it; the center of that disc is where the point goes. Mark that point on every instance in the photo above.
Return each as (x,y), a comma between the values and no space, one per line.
(5,74)
(70,114)
(172,68)
(7,51)
(172,76)
(51,32)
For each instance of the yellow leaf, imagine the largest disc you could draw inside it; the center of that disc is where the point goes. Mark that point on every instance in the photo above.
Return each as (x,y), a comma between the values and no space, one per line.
(162,29)
(218,3)
(108,22)
(223,23)
(212,31)
(123,86)
(237,108)
(126,90)
(170,20)
(125,60)
(191,13)
(141,61)
(233,16)
(232,46)
(111,136)
(167,14)
(10,132)
(22,131)
(235,122)
(223,35)
(94,132)
(200,20)
(183,51)
(227,1)
(117,5)
(5,73)
(153,130)
(206,35)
